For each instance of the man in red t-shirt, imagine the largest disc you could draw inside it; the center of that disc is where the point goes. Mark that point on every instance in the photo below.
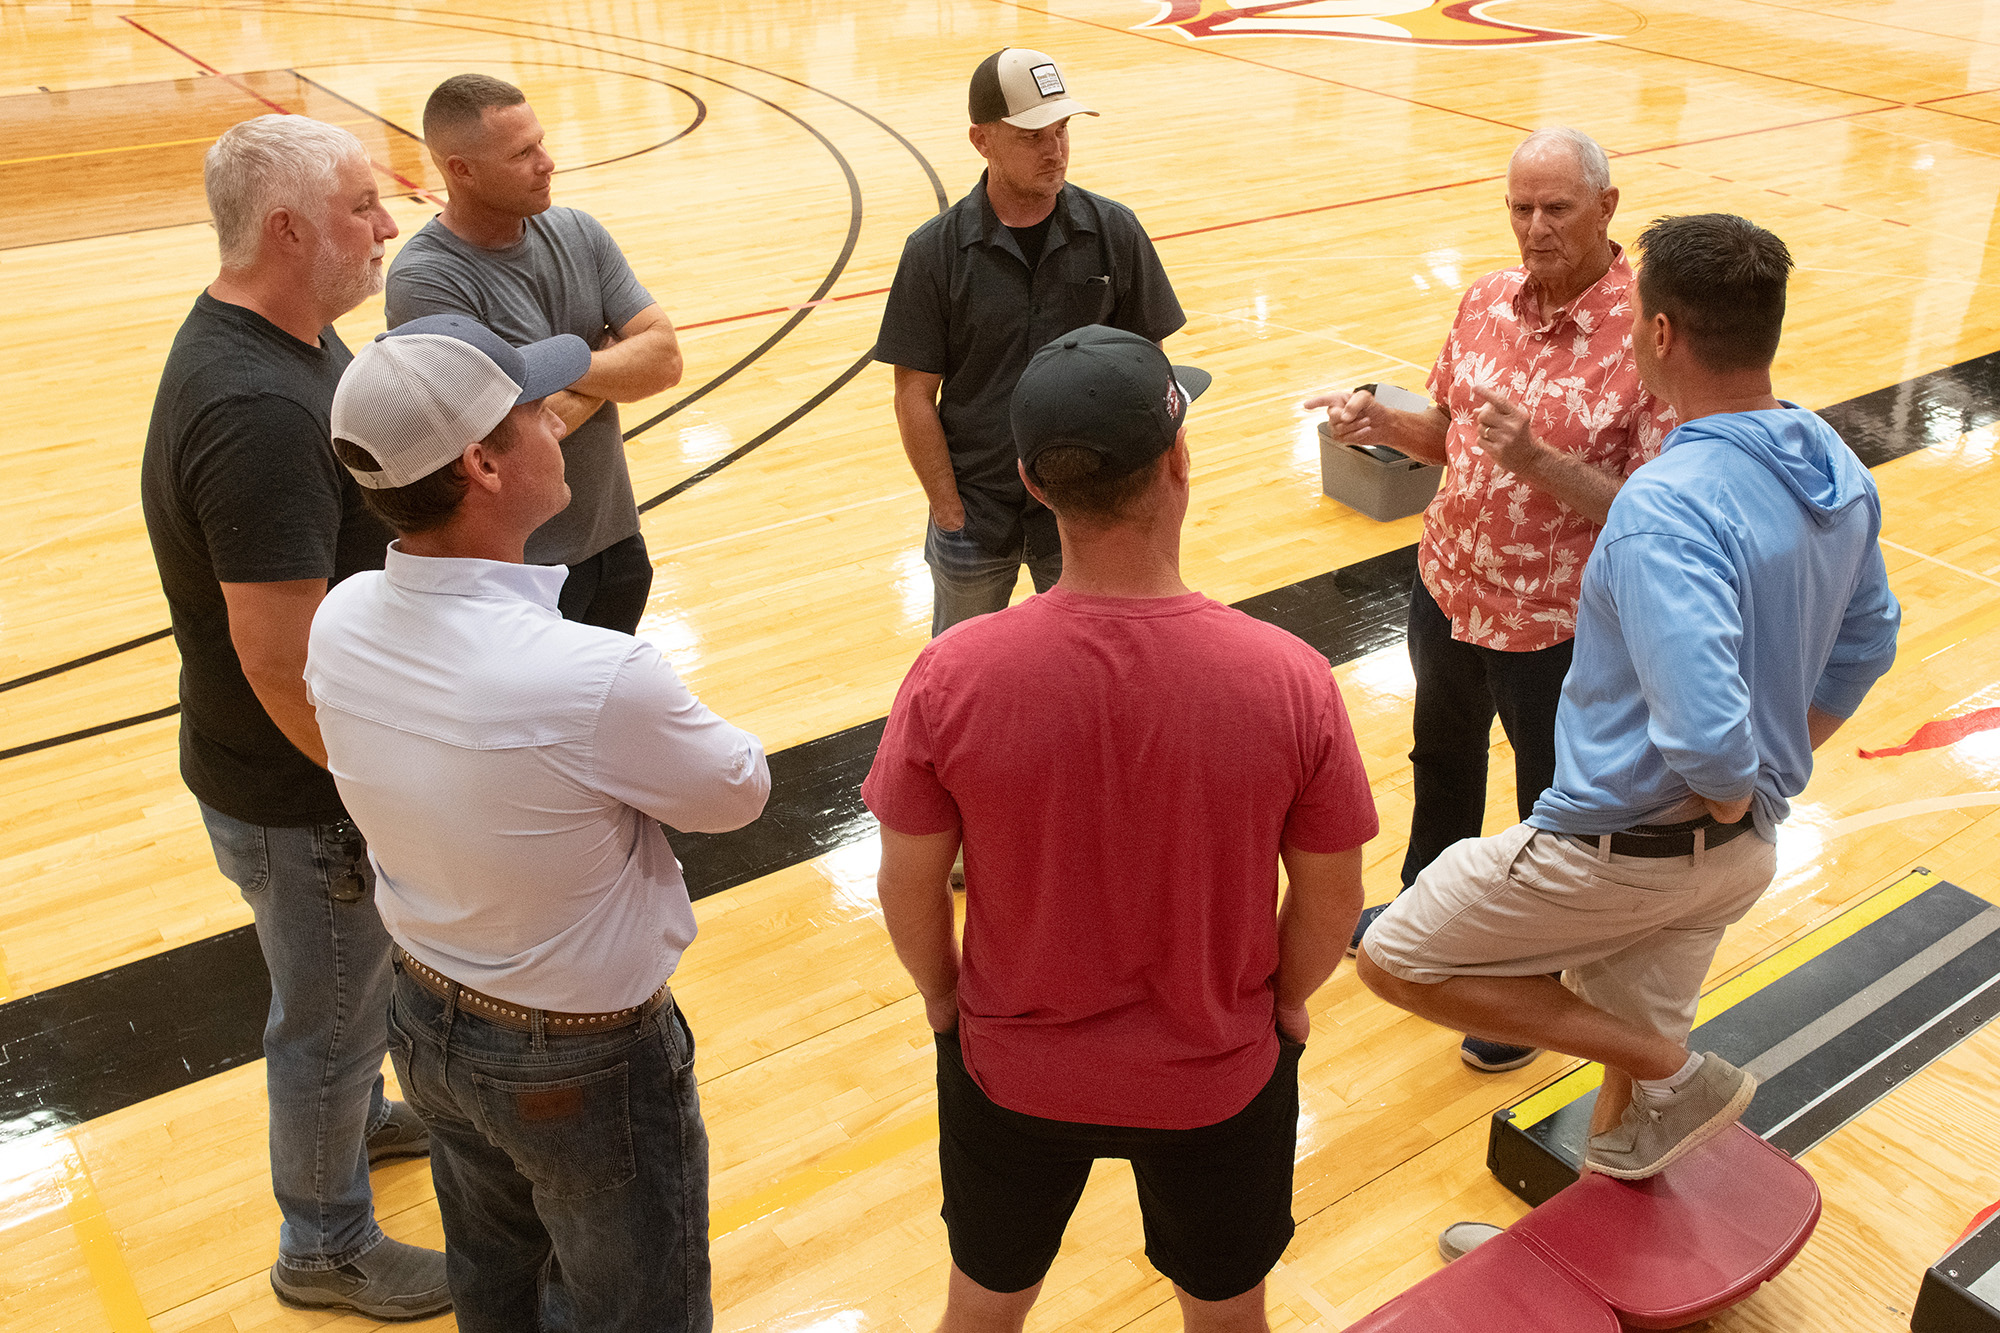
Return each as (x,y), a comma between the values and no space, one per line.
(1125,762)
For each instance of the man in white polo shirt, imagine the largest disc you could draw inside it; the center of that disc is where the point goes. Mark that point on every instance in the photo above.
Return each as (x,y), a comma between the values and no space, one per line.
(510,770)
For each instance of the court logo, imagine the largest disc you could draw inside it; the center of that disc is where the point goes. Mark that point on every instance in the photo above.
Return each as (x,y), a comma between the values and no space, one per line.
(1441,23)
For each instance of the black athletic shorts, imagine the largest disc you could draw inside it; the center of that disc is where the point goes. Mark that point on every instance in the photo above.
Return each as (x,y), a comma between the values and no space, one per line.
(1217,1201)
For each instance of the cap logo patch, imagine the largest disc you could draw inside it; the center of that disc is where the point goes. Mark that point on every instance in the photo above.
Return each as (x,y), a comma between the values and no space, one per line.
(1047,79)
(1174,403)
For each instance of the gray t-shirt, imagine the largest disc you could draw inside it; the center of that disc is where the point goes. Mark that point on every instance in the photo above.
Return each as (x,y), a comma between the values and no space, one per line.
(565,275)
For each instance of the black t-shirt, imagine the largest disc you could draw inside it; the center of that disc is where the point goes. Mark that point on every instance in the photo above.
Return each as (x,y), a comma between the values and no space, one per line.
(1032,238)
(239,485)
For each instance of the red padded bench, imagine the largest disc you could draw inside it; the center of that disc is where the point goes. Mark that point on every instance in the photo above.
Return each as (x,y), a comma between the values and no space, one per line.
(1660,1253)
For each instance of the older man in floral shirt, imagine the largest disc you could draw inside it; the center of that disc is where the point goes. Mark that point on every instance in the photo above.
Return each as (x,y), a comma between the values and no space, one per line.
(1540,415)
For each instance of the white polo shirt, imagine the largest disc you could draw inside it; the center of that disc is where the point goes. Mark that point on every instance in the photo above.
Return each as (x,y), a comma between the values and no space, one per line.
(510,770)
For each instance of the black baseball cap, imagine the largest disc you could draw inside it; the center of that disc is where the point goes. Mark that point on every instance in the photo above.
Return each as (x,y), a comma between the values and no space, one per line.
(1105,390)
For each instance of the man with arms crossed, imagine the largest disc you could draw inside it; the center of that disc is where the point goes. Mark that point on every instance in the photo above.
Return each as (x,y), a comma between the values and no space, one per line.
(502,256)
(251,519)
(1126,763)
(1734,613)
(1024,257)
(511,770)
(1541,417)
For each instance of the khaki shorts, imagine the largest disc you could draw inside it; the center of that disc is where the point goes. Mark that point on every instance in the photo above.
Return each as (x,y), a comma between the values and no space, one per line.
(1635,935)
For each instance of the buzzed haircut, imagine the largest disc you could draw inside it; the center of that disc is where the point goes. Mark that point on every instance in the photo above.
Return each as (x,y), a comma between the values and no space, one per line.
(1075,481)
(1720,280)
(461,100)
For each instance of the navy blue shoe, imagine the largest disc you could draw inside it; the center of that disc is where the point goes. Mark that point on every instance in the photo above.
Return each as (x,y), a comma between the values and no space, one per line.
(1493,1057)
(1368,915)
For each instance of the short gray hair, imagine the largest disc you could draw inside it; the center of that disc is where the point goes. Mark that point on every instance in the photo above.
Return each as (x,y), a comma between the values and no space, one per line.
(274,161)
(1591,162)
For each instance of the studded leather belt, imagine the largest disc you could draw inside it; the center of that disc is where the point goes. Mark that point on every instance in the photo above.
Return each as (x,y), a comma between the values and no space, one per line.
(1659,840)
(522,1019)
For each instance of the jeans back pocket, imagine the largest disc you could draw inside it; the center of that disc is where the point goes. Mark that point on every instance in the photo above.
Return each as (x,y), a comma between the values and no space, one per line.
(571,1137)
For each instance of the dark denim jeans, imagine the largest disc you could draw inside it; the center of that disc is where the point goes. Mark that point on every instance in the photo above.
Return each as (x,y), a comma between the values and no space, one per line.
(571,1171)
(1459,688)
(967,580)
(313,895)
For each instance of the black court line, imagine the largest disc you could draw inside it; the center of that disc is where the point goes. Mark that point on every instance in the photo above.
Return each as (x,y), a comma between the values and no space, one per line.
(75,662)
(1934,408)
(700,110)
(81,1050)
(798,316)
(740,450)
(100,729)
(815,803)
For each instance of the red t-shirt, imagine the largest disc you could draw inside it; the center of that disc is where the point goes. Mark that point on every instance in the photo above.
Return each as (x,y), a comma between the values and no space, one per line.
(1124,772)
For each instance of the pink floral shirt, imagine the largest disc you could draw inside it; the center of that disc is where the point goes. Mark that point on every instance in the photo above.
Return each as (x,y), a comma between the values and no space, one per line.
(1503,559)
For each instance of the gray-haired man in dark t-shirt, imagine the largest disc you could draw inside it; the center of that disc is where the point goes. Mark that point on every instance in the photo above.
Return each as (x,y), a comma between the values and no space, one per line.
(251,521)
(502,256)
(1023,259)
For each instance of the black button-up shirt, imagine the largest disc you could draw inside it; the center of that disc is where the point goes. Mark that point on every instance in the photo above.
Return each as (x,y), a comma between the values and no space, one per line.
(966,305)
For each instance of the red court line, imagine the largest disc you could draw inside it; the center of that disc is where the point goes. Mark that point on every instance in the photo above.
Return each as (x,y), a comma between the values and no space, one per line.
(1956,115)
(235,82)
(1754,73)
(1184,45)
(1874,23)
(1953,97)
(783,309)
(1371,199)
(1766,129)
(1328,208)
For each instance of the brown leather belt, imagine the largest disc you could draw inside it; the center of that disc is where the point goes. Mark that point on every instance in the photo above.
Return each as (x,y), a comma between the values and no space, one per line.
(1658,840)
(521,1019)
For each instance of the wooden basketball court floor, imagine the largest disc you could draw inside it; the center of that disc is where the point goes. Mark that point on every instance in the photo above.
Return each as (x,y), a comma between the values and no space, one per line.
(1323,180)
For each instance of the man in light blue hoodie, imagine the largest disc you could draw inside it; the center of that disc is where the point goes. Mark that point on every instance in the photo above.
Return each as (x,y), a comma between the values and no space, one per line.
(1733,615)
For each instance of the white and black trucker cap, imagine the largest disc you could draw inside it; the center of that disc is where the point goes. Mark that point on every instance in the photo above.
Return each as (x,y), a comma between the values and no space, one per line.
(1023,88)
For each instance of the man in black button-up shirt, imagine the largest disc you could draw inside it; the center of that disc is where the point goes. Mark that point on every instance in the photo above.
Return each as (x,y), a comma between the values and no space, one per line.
(1021,260)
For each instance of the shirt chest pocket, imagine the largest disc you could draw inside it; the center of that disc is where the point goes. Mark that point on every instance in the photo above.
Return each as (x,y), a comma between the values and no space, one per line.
(1073,290)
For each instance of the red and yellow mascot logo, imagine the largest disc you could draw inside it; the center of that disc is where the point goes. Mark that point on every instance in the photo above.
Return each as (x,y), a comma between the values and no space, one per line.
(1443,23)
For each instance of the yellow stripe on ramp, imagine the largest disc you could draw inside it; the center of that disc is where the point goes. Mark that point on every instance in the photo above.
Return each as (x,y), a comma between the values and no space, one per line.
(1537,1107)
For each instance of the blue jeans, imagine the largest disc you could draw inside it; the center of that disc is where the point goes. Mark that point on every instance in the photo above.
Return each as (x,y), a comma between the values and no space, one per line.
(967,580)
(313,895)
(1460,686)
(571,1171)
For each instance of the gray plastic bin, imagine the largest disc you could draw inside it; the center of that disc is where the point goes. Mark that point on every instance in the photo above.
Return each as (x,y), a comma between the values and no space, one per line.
(1380,489)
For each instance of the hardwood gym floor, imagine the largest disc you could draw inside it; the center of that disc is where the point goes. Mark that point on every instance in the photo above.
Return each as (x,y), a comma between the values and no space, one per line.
(1323,180)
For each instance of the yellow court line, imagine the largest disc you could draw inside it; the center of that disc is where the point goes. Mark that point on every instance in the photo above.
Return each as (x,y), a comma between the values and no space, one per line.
(1537,1107)
(830,1170)
(142,147)
(102,1254)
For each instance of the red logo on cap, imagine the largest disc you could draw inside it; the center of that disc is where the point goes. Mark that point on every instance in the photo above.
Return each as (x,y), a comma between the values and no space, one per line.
(1173,397)
(1443,23)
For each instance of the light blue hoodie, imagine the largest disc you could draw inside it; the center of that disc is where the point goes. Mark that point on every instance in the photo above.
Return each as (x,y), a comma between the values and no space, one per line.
(1737,580)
